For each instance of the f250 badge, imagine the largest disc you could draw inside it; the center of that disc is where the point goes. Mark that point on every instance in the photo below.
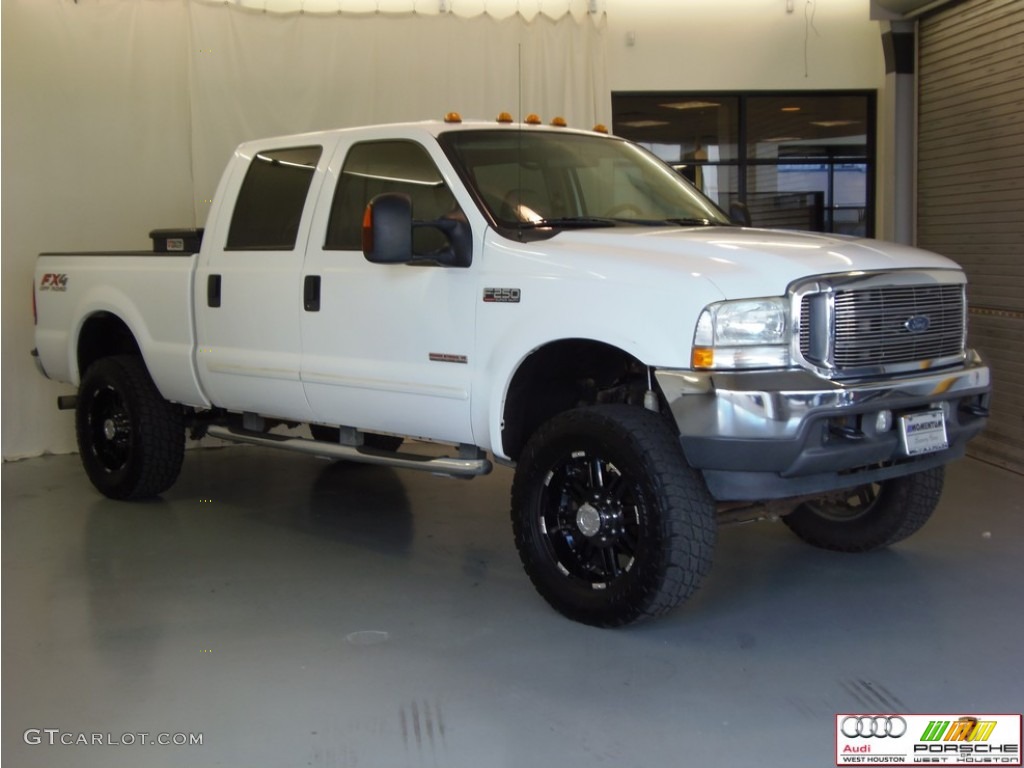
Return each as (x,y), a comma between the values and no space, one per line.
(53,282)
(502,295)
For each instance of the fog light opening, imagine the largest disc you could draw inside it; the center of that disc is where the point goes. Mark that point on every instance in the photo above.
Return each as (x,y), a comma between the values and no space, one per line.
(947,410)
(883,421)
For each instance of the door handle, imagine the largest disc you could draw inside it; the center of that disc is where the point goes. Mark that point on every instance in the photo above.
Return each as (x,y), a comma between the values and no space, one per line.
(213,291)
(311,293)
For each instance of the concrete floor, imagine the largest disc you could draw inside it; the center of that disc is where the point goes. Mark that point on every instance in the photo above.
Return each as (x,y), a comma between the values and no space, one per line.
(300,613)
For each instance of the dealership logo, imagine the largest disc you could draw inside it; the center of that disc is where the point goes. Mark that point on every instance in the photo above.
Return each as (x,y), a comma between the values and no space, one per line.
(928,739)
(877,727)
(964,729)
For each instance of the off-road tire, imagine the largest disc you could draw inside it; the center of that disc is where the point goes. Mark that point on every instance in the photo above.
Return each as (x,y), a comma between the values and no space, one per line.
(611,524)
(131,441)
(872,516)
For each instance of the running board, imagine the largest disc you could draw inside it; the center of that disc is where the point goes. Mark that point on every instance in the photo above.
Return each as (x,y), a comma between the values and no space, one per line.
(438,465)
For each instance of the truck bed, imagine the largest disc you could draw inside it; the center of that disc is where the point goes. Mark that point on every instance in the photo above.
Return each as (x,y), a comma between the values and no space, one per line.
(152,293)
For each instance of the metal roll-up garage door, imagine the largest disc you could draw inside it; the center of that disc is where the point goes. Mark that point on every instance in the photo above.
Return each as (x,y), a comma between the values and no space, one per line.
(971,188)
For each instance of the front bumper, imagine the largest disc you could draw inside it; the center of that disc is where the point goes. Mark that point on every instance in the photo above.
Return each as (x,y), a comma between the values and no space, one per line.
(763,435)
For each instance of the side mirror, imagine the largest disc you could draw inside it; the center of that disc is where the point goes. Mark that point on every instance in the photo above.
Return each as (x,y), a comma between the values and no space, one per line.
(387,229)
(739,213)
(459,251)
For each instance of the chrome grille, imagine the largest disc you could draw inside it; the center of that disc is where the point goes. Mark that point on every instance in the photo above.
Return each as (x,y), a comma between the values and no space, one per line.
(854,330)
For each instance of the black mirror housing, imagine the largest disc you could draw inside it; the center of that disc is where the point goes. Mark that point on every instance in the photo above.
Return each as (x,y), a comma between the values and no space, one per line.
(387,229)
(739,213)
(459,252)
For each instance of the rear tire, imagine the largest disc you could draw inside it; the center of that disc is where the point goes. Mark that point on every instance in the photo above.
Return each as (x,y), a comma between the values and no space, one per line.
(611,524)
(131,441)
(872,516)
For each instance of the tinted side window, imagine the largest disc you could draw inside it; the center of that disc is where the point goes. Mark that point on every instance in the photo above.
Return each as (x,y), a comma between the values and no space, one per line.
(271,200)
(373,168)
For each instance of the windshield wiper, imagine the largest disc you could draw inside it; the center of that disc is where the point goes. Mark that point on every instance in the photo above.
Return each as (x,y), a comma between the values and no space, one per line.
(691,222)
(583,222)
(580,222)
(684,222)
(662,222)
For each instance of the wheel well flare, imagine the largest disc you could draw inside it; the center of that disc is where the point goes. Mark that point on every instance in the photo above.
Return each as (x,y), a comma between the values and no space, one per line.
(563,375)
(104,334)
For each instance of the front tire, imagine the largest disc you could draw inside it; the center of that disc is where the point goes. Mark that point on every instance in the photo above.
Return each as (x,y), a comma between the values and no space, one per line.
(131,441)
(611,524)
(871,516)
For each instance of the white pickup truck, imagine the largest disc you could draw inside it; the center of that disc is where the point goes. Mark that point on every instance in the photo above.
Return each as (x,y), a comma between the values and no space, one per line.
(556,300)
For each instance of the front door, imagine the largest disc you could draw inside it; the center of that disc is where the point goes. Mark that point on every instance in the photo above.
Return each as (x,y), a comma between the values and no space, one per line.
(387,348)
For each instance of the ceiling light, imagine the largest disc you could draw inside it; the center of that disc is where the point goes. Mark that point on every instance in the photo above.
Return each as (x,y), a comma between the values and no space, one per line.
(834,123)
(645,123)
(790,109)
(780,139)
(690,104)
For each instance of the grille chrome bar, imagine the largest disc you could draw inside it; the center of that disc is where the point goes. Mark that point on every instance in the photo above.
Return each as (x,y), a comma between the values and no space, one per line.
(861,325)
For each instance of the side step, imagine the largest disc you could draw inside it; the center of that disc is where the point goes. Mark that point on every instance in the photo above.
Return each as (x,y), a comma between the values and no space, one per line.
(443,465)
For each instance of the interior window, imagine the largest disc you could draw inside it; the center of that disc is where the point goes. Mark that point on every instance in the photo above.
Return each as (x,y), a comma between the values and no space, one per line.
(375,167)
(799,160)
(272,198)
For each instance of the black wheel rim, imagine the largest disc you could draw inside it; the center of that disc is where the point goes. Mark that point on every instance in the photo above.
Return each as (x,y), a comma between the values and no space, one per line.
(591,518)
(109,426)
(852,505)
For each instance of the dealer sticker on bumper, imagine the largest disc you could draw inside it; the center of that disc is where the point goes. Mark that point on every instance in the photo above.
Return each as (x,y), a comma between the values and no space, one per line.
(923,432)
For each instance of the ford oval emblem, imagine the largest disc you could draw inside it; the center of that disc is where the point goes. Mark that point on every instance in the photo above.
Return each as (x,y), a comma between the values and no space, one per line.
(918,323)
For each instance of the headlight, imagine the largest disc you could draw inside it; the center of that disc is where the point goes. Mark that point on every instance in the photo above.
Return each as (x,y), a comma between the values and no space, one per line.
(751,333)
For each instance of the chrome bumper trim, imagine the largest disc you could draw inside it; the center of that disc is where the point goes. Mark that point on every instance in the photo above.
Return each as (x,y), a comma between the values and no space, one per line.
(775,405)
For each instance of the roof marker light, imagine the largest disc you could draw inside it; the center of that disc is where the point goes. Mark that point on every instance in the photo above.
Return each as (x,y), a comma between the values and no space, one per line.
(533,119)
(504,117)
(559,122)
(453,117)
(600,128)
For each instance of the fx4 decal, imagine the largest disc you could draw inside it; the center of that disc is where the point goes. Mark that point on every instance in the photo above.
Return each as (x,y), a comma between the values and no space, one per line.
(53,282)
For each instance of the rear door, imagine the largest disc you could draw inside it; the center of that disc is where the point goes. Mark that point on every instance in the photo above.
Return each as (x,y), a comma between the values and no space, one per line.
(387,348)
(248,289)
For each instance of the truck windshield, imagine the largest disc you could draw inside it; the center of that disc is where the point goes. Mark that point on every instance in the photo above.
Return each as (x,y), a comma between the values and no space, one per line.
(549,180)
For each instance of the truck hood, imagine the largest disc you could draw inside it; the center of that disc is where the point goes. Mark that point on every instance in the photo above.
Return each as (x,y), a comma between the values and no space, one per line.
(742,261)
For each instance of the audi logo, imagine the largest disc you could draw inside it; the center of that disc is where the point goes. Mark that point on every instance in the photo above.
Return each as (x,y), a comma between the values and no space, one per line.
(873,727)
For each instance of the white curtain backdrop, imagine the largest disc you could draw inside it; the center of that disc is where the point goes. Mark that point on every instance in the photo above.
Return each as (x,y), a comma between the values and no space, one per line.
(96,145)
(499,9)
(257,74)
(118,117)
